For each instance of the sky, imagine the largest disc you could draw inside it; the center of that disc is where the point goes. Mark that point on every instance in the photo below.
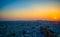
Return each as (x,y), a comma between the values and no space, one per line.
(30,10)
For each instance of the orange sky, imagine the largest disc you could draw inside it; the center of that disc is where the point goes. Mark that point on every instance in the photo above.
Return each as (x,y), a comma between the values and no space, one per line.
(35,12)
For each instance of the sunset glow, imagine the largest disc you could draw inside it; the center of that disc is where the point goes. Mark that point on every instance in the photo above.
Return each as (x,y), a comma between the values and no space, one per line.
(25,10)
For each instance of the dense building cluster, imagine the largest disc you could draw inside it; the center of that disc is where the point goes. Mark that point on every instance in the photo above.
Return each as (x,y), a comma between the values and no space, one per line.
(28,29)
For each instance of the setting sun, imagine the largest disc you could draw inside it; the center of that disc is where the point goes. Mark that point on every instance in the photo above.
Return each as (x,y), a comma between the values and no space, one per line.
(55,17)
